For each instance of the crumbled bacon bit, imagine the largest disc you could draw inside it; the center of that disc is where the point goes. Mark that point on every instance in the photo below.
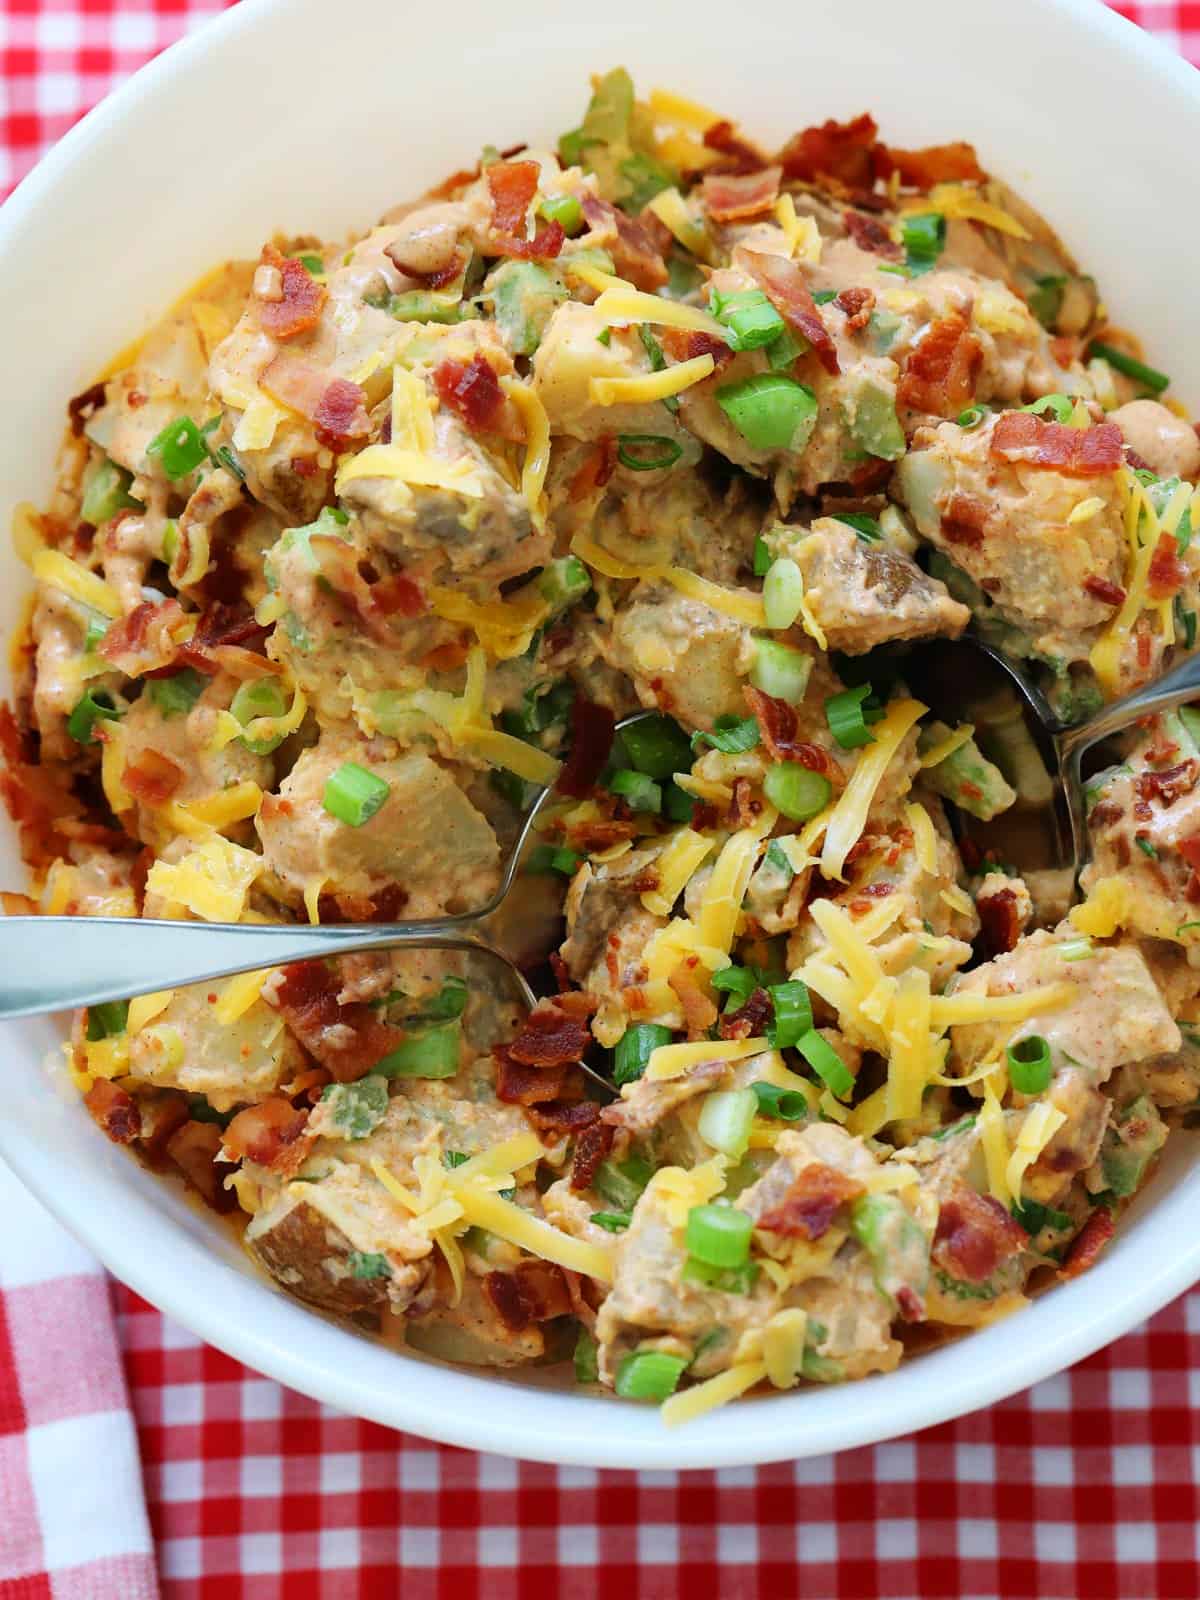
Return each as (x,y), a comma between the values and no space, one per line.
(739,156)
(520,1084)
(841,151)
(551,1037)
(936,163)
(1168,786)
(269,1134)
(730,197)
(472,390)
(1189,849)
(114,1111)
(1111,594)
(685,344)
(348,1039)
(591,1148)
(808,1208)
(142,641)
(1088,1243)
(340,416)
(534,1291)
(303,299)
(870,234)
(630,241)
(597,469)
(561,1117)
(1000,921)
(858,305)
(1167,574)
(964,520)
(786,287)
(397,596)
(779,724)
(699,1012)
(940,373)
(975,1235)
(592,729)
(512,185)
(220,627)
(750,1019)
(153,778)
(1075,452)
(83,407)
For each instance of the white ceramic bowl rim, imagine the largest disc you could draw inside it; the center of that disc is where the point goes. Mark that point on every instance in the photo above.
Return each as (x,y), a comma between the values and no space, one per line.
(161,1248)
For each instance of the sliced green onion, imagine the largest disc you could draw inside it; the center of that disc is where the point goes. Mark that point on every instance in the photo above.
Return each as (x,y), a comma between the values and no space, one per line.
(563,582)
(1145,846)
(924,236)
(786,1105)
(454,1158)
(780,860)
(1185,927)
(311,264)
(780,670)
(739,983)
(639,792)
(564,209)
(431,1053)
(1060,406)
(762,557)
(658,451)
(1045,299)
(770,411)
(649,1375)
(635,1047)
(847,716)
(1190,717)
(96,705)
(353,795)
(106,492)
(612,1221)
(657,360)
(822,297)
(180,447)
(826,1063)
(540,709)
(751,319)
(622,1183)
(731,735)
(1130,366)
(604,337)
(729,1280)
(176,694)
(545,858)
(971,417)
(97,627)
(1029,1064)
(795,791)
(793,1014)
(259,697)
(657,746)
(646,178)
(726,1118)
(781,352)
(1034,1216)
(783,593)
(720,1235)
(449,1001)
(678,805)
(867,528)
(107,1019)
(1077,949)
(587,1365)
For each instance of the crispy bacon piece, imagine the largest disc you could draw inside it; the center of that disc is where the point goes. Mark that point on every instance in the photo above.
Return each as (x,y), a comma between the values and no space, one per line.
(738,155)
(699,1012)
(630,242)
(841,151)
(83,407)
(195,1150)
(808,1208)
(114,1111)
(592,728)
(348,1039)
(397,596)
(1104,590)
(935,163)
(1167,573)
(597,469)
(38,798)
(519,1084)
(730,196)
(591,1148)
(570,1114)
(870,234)
(534,1291)
(858,305)
(964,520)
(512,185)
(546,243)
(940,373)
(163,1114)
(335,407)
(1000,921)
(1168,786)
(143,641)
(786,287)
(303,300)
(749,1020)
(1088,1243)
(153,778)
(472,390)
(778,722)
(270,1134)
(975,1235)
(1189,849)
(221,628)
(551,1036)
(17,905)
(1075,452)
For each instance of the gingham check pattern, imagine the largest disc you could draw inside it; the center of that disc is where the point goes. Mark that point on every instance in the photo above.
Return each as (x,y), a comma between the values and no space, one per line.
(1084,1488)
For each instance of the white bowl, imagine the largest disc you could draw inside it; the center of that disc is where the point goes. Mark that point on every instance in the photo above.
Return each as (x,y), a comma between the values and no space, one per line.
(296,114)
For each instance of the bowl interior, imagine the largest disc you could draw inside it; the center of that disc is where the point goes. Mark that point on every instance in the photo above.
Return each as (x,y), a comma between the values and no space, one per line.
(221,143)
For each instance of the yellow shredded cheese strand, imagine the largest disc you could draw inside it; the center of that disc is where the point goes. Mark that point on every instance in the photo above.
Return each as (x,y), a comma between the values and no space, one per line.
(850,813)
(803,235)
(1105,656)
(671,210)
(211,881)
(783,1341)
(610,566)
(924,837)
(670,1060)
(958,200)
(112,766)
(684,852)
(701,1397)
(994,1140)
(412,418)
(390,461)
(239,994)
(741,606)
(958,900)
(509,1221)
(503,627)
(650,386)
(937,753)
(258,423)
(145,1007)
(910,1057)
(312,900)
(537,445)
(726,889)
(505,750)
(680,112)
(622,304)
(950,1010)
(60,572)
(1039,1127)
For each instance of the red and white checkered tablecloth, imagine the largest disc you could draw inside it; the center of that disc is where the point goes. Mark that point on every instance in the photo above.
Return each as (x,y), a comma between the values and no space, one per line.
(1086,1487)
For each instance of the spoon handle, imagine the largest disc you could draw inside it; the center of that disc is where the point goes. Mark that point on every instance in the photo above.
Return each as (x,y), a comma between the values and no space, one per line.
(59,963)
(1179,686)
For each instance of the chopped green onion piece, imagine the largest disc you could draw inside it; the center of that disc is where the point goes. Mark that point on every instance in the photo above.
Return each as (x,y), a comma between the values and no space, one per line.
(971,417)
(544,858)
(180,447)
(449,1001)
(259,697)
(657,360)
(1130,366)
(639,792)
(176,694)
(106,492)
(720,1235)
(847,716)
(781,352)
(454,1158)
(612,1221)
(96,705)
(732,735)
(312,264)
(604,337)
(1034,1216)
(795,791)
(97,627)
(783,593)
(1145,846)
(353,795)
(1029,1064)
(924,236)
(867,528)
(635,1047)
(826,1063)
(565,581)
(678,805)
(780,670)
(540,708)
(107,1019)
(1077,949)
(417,305)
(1190,717)
(431,1053)
(762,557)
(822,297)
(657,746)
(1060,406)
(750,317)
(368,1264)
(739,983)
(683,276)
(787,1105)
(646,178)
(657,451)
(793,1014)
(1183,928)
(770,411)
(621,1183)
(1045,299)
(564,209)
(649,1375)
(587,1366)
(726,1118)
(780,860)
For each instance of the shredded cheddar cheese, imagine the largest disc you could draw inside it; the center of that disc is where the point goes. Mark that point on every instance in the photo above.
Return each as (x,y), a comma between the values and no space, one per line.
(650,386)
(671,1060)
(924,836)
(60,572)
(850,813)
